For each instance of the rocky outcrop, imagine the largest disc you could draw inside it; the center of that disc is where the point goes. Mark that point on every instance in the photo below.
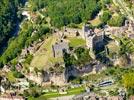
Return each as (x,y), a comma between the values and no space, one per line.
(70,71)
(46,76)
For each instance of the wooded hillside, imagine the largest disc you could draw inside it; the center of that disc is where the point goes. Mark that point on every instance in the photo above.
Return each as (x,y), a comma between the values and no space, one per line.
(8,17)
(64,12)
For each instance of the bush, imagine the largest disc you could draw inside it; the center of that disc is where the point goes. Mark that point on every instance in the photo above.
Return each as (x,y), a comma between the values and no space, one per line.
(105,17)
(29,59)
(17,74)
(117,21)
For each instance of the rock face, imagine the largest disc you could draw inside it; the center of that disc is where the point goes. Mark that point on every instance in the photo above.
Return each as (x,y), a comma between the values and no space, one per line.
(37,78)
(70,71)
(58,79)
(46,76)
(62,78)
(124,61)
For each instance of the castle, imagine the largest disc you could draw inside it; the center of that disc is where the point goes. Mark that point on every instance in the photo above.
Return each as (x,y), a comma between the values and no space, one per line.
(94,37)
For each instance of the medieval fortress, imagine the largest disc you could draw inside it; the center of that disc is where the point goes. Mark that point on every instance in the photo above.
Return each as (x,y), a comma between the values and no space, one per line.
(94,39)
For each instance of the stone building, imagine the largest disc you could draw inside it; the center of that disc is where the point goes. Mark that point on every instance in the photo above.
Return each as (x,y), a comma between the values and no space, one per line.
(59,48)
(94,38)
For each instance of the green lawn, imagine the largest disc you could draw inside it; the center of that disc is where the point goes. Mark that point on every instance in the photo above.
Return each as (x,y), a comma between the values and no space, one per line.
(76,42)
(48,95)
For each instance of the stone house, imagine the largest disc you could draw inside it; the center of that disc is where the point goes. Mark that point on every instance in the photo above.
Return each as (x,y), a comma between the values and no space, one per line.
(73,31)
(59,48)
(57,79)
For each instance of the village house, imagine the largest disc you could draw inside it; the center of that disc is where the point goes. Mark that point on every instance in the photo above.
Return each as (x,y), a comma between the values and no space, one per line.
(26,13)
(72,32)
(59,48)
(58,79)
(23,84)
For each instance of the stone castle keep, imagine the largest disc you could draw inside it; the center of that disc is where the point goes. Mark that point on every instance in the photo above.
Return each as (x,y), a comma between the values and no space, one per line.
(94,38)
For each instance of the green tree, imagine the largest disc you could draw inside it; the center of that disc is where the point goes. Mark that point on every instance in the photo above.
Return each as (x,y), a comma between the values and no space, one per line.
(128,82)
(105,16)
(117,21)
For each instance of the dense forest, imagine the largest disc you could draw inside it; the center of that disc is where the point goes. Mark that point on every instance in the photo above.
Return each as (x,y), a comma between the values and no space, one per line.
(70,11)
(8,17)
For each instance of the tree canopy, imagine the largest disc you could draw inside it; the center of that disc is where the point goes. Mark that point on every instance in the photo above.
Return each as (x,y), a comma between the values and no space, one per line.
(8,17)
(64,12)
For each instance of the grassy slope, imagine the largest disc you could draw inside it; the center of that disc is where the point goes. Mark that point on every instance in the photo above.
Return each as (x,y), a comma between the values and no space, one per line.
(44,56)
